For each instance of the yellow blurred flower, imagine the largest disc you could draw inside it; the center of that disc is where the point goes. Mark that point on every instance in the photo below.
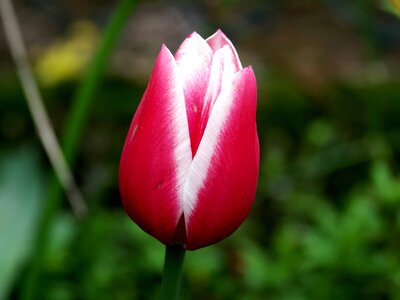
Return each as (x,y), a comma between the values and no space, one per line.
(395,6)
(396,3)
(67,58)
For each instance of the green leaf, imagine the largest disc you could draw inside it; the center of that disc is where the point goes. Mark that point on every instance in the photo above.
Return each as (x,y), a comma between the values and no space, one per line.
(21,191)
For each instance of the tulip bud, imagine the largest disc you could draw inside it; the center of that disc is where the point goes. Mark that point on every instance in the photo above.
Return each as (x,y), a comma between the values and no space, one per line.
(189,168)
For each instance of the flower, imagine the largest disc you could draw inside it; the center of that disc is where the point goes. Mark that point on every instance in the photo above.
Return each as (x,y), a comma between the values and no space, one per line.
(189,167)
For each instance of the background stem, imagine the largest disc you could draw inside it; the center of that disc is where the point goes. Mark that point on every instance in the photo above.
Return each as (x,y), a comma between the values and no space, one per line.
(37,109)
(70,140)
(171,282)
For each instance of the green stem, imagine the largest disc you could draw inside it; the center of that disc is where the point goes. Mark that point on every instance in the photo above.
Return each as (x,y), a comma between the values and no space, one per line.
(70,141)
(84,96)
(171,282)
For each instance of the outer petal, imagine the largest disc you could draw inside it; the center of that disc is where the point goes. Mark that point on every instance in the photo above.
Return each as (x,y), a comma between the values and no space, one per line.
(156,156)
(194,61)
(223,176)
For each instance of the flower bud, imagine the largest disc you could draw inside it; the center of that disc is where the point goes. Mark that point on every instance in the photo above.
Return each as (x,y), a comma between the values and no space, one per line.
(189,167)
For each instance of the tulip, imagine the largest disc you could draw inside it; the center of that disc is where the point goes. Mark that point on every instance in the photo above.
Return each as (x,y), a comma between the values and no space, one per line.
(189,167)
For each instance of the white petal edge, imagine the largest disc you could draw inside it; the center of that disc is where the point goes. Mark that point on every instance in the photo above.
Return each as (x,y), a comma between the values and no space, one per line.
(182,149)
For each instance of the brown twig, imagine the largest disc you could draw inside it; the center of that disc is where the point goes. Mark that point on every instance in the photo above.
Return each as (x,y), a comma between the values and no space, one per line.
(38,111)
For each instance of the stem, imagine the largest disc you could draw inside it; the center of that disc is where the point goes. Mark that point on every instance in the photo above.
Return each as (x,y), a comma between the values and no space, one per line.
(70,141)
(171,282)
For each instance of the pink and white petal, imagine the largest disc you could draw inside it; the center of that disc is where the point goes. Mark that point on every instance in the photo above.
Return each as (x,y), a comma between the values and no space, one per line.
(194,61)
(219,40)
(193,46)
(222,71)
(213,89)
(223,176)
(156,155)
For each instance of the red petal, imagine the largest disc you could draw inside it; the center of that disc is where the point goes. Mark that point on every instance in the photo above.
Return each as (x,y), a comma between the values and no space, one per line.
(223,176)
(156,156)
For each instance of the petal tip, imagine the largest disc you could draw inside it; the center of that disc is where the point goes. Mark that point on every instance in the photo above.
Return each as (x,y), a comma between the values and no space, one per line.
(218,35)
(193,34)
(219,40)
(247,71)
(164,54)
(164,48)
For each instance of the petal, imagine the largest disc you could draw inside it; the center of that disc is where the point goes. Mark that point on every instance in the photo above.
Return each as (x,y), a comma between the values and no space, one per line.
(221,74)
(223,176)
(156,156)
(193,46)
(219,40)
(194,60)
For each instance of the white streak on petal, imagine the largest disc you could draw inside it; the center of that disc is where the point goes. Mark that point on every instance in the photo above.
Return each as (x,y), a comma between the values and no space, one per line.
(182,149)
(208,146)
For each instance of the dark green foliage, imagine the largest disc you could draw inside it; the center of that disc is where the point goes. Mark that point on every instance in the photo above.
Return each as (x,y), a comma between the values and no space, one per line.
(326,219)
(325,223)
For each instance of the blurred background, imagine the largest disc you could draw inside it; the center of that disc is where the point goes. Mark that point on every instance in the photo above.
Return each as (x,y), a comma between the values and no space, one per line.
(326,219)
